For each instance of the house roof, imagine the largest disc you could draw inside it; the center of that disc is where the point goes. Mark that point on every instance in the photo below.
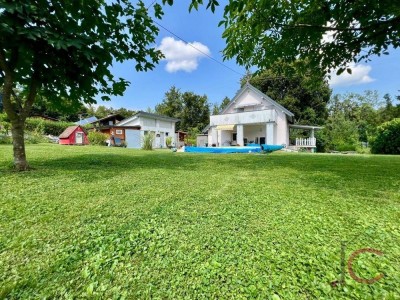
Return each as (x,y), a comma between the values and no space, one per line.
(148,115)
(86,121)
(109,117)
(68,131)
(248,86)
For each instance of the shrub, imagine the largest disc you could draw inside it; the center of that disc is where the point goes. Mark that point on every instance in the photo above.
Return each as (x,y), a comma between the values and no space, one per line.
(46,127)
(168,141)
(34,138)
(97,138)
(387,140)
(5,140)
(346,147)
(148,141)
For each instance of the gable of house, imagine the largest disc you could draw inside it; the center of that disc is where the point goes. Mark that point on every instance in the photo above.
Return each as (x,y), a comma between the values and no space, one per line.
(250,98)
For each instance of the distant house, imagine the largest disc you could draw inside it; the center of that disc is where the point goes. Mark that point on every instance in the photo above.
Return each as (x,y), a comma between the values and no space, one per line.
(108,125)
(254,118)
(73,135)
(143,123)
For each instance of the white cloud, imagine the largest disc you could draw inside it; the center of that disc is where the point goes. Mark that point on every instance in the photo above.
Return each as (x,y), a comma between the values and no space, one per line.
(359,75)
(182,56)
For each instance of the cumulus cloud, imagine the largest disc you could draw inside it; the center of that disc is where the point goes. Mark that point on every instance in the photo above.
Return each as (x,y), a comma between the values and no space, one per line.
(181,56)
(359,75)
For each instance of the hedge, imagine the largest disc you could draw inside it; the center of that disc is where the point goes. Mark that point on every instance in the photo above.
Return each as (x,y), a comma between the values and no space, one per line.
(387,140)
(46,127)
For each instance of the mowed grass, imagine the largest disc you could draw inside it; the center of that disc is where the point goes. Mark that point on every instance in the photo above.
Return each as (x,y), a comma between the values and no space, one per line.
(112,223)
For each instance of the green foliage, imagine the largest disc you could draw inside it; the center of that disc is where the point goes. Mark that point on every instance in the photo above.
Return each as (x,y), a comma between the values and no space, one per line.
(387,140)
(34,137)
(4,124)
(5,140)
(72,58)
(168,141)
(147,141)
(97,138)
(261,33)
(298,87)
(64,109)
(192,110)
(67,51)
(195,113)
(181,225)
(340,134)
(218,108)
(171,105)
(45,126)
(102,111)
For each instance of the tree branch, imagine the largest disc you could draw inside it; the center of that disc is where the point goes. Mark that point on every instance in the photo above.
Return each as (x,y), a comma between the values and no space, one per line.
(332,28)
(8,83)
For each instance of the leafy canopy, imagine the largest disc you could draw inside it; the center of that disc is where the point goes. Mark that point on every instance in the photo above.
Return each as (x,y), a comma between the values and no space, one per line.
(68,47)
(298,87)
(330,34)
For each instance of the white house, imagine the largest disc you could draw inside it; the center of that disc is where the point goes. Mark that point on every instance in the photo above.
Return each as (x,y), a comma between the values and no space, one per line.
(254,118)
(160,126)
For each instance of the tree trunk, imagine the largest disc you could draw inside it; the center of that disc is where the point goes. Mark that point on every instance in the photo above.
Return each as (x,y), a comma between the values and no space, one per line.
(17,130)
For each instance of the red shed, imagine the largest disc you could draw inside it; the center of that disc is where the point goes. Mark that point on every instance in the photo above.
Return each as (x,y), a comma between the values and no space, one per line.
(74,135)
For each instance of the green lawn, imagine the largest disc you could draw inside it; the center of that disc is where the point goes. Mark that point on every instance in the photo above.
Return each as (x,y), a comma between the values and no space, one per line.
(113,223)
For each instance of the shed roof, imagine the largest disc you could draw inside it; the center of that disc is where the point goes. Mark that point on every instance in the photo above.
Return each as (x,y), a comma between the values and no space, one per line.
(86,121)
(68,131)
(148,115)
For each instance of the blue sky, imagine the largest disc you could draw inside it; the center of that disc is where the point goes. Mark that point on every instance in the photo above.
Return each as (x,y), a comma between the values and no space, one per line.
(190,70)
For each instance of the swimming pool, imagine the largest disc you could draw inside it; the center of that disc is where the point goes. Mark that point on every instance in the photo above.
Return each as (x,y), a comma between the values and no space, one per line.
(233,149)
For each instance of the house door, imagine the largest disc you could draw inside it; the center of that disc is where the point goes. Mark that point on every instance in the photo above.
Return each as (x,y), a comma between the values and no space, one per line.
(162,140)
(79,138)
(133,138)
(262,140)
(158,138)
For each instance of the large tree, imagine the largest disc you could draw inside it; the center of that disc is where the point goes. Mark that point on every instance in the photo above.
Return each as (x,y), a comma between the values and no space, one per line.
(195,113)
(330,34)
(172,103)
(65,50)
(301,89)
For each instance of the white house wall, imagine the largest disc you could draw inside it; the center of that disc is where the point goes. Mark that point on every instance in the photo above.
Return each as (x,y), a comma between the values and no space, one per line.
(282,129)
(247,98)
(251,132)
(252,117)
(155,126)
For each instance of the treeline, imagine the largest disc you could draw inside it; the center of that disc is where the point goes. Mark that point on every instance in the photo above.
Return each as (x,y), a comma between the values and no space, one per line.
(356,121)
(191,109)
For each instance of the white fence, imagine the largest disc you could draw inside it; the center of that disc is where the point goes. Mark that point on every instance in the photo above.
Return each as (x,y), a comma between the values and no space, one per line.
(308,142)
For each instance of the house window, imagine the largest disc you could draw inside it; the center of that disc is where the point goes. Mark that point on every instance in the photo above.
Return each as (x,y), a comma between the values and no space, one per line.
(110,123)
(234,135)
(240,109)
(118,131)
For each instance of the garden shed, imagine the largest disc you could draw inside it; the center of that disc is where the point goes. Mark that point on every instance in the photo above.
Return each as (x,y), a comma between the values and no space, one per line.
(74,135)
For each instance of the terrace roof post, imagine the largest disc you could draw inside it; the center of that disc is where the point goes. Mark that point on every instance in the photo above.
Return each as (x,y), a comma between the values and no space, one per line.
(239,135)
(269,129)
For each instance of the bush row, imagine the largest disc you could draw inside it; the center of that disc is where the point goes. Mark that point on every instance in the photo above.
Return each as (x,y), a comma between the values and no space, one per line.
(46,127)
(97,138)
(387,140)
